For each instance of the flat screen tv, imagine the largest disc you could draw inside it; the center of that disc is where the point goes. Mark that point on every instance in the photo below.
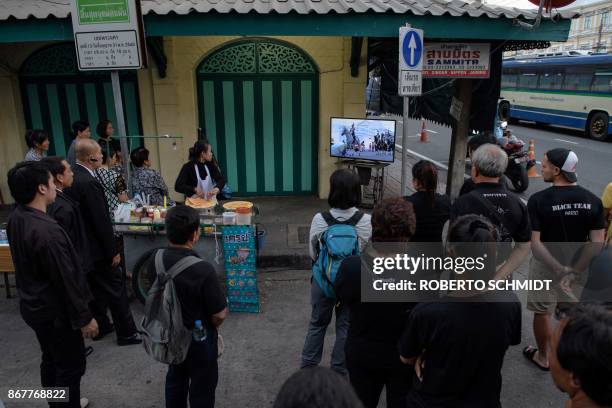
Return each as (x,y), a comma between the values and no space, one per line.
(363,139)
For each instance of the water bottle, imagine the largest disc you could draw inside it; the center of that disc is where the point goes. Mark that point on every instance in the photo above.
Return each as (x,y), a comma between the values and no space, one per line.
(199,331)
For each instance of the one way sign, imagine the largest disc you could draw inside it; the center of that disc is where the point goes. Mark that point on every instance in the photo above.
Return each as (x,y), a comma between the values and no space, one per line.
(410,61)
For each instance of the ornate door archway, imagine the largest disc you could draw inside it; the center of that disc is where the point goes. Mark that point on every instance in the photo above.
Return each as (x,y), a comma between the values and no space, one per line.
(55,94)
(258,106)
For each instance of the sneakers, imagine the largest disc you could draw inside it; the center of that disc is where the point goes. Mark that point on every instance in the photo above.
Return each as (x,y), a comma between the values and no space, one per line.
(84,402)
(128,341)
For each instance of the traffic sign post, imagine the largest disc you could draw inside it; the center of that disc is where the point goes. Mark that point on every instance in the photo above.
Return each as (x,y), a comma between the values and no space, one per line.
(109,35)
(409,82)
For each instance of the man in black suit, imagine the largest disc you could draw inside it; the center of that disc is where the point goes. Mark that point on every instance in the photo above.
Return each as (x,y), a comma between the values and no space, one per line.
(106,281)
(66,211)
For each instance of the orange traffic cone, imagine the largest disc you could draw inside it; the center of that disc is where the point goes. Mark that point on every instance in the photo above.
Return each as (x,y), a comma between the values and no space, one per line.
(424,135)
(532,172)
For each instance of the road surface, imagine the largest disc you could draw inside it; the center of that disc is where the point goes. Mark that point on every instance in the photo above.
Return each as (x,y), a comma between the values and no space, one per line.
(594,158)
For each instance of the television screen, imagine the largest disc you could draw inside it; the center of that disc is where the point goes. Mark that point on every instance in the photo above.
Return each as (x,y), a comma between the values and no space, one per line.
(363,139)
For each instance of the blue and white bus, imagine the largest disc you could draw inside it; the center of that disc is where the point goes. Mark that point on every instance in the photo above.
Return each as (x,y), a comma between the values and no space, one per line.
(572,91)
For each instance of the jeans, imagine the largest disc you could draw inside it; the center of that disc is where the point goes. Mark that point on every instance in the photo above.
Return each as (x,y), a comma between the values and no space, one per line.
(63,360)
(195,377)
(322,310)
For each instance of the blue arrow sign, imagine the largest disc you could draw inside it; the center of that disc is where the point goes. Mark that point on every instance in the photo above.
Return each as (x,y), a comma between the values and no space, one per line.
(412,49)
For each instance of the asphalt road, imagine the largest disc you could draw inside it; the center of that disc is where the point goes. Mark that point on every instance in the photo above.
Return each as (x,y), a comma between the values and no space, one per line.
(595,158)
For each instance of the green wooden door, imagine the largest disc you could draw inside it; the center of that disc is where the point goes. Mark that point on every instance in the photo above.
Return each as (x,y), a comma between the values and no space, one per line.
(55,94)
(258,108)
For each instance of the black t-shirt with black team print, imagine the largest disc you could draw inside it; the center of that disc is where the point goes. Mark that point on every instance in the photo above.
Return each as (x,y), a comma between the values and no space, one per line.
(565,214)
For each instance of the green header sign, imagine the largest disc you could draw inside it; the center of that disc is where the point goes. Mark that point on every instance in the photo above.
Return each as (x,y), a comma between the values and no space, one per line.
(103,11)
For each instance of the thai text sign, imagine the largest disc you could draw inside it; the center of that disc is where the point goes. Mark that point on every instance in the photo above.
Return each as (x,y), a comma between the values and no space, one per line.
(108,34)
(456,60)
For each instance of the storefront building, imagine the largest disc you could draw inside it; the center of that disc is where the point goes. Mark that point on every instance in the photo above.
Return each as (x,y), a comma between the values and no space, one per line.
(261,79)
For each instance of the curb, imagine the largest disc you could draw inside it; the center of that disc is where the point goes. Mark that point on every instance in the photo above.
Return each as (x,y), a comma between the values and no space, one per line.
(288,261)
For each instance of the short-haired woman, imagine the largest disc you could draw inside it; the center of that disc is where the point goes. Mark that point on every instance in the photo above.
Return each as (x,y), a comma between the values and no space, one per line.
(38,143)
(115,188)
(372,357)
(105,131)
(145,180)
(344,197)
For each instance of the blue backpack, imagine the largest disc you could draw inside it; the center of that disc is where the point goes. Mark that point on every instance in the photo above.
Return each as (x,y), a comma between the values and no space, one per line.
(338,242)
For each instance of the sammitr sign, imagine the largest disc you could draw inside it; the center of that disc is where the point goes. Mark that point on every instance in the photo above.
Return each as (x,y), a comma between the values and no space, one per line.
(108,34)
(456,60)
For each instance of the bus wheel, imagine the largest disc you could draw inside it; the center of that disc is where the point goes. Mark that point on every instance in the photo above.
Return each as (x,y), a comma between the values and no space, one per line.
(597,126)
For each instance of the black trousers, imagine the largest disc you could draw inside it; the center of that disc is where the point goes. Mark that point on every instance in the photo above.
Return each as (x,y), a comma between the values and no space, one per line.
(107,284)
(368,382)
(63,360)
(195,377)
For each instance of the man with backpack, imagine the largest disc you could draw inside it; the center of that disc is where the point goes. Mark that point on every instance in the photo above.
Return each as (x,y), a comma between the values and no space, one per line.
(503,208)
(183,310)
(334,235)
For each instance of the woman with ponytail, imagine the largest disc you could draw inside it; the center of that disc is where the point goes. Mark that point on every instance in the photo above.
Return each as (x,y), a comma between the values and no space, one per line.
(201,175)
(38,144)
(432,209)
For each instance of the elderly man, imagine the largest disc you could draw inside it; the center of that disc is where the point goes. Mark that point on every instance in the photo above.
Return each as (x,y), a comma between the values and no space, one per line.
(503,208)
(106,281)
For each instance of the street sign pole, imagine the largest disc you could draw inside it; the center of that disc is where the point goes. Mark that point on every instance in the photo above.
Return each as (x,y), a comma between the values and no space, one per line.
(409,84)
(125,155)
(404,178)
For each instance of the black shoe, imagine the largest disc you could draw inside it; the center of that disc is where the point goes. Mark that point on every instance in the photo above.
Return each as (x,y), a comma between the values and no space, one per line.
(128,341)
(102,333)
(88,350)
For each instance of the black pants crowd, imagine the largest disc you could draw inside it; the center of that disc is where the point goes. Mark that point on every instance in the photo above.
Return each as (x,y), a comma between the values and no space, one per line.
(368,380)
(107,285)
(63,359)
(195,377)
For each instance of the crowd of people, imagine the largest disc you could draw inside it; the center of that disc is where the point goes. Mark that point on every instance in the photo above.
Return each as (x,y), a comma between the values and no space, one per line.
(427,354)
(448,353)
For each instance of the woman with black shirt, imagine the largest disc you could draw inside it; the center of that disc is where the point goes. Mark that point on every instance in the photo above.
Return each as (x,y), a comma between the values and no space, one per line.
(372,356)
(200,176)
(432,209)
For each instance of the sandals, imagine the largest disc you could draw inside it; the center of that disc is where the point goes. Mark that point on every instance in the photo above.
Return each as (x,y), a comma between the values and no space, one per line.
(529,353)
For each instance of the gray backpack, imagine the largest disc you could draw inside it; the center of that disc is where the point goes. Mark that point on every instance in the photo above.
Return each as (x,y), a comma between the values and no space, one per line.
(165,337)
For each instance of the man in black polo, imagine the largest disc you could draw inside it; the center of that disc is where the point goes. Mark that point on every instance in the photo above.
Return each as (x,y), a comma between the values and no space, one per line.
(53,292)
(201,299)
(503,208)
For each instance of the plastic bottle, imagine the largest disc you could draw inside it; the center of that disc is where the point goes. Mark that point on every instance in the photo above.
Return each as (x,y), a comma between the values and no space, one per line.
(199,332)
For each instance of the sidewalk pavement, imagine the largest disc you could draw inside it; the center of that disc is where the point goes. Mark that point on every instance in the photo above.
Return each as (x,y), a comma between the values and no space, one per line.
(261,352)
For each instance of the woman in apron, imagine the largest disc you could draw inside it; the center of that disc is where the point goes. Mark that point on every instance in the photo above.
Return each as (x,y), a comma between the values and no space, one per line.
(200,176)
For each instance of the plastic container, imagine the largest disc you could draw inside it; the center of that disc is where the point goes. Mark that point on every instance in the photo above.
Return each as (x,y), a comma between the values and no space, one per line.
(243,216)
(199,331)
(229,218)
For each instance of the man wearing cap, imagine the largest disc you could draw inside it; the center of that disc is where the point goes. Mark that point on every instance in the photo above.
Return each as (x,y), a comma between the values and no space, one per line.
(561,214)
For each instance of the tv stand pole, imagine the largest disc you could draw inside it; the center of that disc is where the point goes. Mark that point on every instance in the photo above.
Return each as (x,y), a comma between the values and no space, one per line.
(370,173)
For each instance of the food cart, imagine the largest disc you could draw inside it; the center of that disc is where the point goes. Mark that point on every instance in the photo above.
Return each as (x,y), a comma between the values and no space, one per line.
(230,248)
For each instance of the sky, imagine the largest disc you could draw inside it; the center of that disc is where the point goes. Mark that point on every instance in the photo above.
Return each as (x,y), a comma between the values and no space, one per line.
(524,4)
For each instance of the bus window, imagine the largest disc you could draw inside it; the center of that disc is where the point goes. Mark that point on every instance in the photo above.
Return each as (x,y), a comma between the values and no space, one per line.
(578,80)
(509,81)
(550,80)
(602,82)
(528,80)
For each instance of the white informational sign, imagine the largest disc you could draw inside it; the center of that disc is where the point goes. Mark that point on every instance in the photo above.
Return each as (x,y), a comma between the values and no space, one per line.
(456,108)
(456,60)
(107,34)
(410,61)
